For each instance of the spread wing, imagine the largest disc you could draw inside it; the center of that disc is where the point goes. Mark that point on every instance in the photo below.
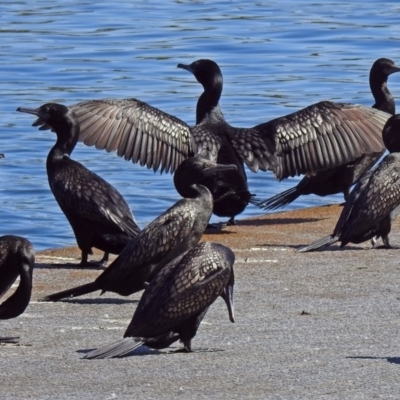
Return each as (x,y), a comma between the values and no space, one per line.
(136,130)
(323,136)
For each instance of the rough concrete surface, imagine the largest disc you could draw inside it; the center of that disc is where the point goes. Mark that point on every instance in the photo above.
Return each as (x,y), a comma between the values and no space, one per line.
(320,325)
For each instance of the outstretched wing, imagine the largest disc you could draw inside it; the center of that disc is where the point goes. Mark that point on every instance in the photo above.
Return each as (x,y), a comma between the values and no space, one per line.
(323,136)
(136,130)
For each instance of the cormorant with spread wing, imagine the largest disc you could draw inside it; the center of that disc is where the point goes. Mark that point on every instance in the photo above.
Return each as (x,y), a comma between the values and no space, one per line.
(322,136)
(341,178)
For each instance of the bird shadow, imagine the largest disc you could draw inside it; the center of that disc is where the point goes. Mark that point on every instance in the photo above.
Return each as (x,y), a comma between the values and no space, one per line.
(100,300)
(277,221)
(392,360)
(68,266)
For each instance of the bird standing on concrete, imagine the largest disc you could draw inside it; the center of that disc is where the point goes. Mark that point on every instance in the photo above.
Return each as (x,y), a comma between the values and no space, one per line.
(172,233)
(97,212)
(175,302)
(374,202)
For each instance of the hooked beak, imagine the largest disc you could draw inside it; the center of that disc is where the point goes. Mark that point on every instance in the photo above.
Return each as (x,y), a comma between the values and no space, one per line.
(393,69)
(187,67)
(34,111)
(227,295)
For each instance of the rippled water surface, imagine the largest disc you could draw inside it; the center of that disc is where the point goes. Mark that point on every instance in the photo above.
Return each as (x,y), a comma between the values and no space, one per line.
(275,59)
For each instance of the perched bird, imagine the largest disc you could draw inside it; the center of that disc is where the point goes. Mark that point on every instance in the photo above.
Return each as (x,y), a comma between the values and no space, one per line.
(175,231)
(175,302)
(322,136)
(17,258)
(374,202)
(341,178)
(97,212)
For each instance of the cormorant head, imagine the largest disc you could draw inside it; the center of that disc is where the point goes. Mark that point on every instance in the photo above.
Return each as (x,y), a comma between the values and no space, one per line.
(383,67)
(50,116)
(194,170)
(207,72)
(391,134)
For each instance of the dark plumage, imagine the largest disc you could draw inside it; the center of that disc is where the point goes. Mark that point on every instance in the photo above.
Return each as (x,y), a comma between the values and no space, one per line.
(320,137)
(17,258)
(374,202)
(172,233)
(174,304)
(97,212)
(341,178)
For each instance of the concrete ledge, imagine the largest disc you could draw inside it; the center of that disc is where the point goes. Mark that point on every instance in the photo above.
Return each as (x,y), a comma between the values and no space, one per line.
(320,325)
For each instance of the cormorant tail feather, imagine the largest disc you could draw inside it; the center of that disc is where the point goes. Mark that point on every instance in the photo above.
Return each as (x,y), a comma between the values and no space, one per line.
(117,349)
(74,292)
(280,200)
(325,241)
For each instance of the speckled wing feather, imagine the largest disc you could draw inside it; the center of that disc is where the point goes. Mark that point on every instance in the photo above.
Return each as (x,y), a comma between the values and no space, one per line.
(256,151)
(183,288)
(322,136)
(136,130)
(158,243)
(86,195)
(374,198)
(206,141)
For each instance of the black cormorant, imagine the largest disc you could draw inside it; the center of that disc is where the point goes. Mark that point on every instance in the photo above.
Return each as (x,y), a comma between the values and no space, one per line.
(97,212)
(341,178)
(374,202)
(17,258)
(172,233)
(175,302)
(322,136)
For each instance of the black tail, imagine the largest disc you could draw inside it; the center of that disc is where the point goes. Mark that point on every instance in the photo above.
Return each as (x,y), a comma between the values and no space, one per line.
(281,199)
(74,292)
(325,241)
(116,349)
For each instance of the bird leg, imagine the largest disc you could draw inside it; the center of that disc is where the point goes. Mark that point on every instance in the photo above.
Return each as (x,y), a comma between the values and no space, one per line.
(85,263)
(386,244)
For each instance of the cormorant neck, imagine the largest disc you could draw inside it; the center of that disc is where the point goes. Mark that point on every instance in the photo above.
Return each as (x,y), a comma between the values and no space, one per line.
(208,101)
(16,304)
(67,138)
(384,100)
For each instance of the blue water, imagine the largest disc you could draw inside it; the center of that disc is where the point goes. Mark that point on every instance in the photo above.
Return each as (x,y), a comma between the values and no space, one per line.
(275,59)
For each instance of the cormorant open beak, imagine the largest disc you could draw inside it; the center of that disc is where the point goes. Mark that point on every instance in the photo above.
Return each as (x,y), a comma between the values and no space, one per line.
(41,121)
(227,295)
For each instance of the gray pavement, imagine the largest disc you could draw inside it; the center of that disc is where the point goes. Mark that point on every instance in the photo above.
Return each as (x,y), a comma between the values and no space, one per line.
(320,325)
